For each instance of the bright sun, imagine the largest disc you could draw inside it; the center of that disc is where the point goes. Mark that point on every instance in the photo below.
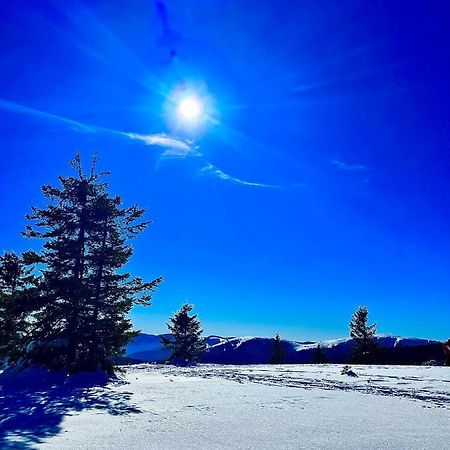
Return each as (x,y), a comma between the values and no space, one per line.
(190,109)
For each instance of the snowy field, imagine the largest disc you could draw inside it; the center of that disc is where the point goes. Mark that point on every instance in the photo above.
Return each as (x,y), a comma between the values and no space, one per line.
(239,407)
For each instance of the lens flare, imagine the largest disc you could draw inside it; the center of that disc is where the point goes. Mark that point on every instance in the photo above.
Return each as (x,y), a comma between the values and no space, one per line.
(190,109)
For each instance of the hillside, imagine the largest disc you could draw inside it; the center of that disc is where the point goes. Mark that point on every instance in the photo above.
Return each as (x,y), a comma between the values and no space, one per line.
(256,350)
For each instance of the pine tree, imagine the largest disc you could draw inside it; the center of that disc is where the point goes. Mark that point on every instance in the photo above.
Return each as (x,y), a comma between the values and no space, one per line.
(186,342)
(319,356)
(447,353)
(364,349)
(81,314)
(16,282)
(278,354)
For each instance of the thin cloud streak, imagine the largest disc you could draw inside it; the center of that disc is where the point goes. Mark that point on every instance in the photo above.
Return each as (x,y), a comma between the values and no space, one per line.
(348,167)
(174,147)
(210,169)
(21,109)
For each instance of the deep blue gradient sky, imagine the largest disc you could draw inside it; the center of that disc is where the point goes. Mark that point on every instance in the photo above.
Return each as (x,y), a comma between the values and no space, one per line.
(319,182)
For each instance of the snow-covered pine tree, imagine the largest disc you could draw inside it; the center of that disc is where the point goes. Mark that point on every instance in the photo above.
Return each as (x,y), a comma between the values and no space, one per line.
(81,318)
(186,342)
(364,350)
(278,354)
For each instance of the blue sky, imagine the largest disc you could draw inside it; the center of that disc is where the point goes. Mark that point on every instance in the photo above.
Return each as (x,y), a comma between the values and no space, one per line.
(316,180)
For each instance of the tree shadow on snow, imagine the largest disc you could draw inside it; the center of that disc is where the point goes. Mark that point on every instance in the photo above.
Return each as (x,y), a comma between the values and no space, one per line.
(32,407)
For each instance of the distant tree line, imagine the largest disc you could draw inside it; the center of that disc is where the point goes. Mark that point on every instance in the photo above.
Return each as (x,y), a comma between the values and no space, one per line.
(66,306)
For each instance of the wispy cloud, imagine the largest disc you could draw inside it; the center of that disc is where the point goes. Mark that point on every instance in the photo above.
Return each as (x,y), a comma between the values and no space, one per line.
(210,169)
(341,165)
(174,147)
(21,109)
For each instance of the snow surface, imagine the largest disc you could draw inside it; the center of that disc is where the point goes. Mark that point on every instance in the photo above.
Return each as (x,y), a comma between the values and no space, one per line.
(236,407)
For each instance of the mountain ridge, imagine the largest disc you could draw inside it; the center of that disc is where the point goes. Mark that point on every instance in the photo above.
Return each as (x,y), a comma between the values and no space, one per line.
(256,350)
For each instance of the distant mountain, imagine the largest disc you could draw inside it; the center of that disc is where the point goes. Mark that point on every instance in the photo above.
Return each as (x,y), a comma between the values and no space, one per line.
(148,347)
(393,350)
(256,350)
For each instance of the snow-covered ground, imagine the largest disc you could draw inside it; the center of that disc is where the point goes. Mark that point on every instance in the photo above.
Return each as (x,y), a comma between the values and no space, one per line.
(240,407)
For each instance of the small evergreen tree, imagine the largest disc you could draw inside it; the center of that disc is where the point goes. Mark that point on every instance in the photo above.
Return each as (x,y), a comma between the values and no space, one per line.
(319,356)
(186,342)
(364,349)
(278,354)
(447,353)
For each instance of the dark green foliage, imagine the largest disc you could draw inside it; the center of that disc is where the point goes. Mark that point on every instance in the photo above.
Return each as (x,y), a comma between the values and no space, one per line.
(278,355)
(186,342)
(319,356)
(365,350)
(16,289)
(13,273)
(81,311)
(447,353)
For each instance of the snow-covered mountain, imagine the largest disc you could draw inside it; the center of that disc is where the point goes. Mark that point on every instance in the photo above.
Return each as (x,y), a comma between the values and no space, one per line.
(394,349)
(256,350)
(147,347)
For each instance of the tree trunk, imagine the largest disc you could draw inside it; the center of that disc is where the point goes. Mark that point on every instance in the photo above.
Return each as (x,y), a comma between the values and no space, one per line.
(78,276)
(97,298)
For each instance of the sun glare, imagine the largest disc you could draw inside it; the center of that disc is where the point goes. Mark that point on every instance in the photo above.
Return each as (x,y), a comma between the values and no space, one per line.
(190,109)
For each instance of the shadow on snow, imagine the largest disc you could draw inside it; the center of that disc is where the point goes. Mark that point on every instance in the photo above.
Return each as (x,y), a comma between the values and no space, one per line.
(34,403)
